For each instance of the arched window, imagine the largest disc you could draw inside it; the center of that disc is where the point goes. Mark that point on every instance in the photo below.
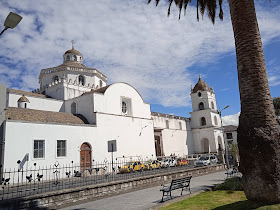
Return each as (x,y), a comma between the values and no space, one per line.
(124,107)
(201,106)
(212,105)
(100,83)
(199,94)
(73,108)
(81,80)
(55,79)
(215,120)
(167,124)
(75,58)
(202,121)
(68,58)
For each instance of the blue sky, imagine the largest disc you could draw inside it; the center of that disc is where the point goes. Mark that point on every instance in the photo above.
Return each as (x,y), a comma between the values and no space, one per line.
(130,41)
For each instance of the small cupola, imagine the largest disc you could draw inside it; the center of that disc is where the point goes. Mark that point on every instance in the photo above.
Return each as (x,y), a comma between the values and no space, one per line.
(200,86)
(23,102)
(72,56)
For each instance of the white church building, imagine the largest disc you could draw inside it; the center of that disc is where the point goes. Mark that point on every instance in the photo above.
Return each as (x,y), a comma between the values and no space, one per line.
(74,114)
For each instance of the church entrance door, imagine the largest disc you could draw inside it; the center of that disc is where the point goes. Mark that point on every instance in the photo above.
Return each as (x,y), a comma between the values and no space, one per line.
(158,146)
(85,156)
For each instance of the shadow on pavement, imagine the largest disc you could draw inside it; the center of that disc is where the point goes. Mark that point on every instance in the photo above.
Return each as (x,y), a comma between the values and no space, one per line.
(166,199)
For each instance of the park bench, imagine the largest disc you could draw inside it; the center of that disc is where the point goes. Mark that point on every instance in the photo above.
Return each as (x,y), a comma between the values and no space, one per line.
(182,183)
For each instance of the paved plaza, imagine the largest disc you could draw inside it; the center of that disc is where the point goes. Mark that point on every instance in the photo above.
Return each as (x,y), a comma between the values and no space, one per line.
(150,198)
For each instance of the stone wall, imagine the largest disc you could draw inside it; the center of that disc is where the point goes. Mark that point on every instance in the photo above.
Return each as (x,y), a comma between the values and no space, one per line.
(93,192)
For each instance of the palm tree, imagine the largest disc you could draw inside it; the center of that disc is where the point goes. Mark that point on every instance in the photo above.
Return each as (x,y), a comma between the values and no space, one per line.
(258,134)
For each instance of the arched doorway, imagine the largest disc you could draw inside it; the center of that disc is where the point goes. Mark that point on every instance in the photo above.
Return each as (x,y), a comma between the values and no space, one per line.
(205,145)
(85,156)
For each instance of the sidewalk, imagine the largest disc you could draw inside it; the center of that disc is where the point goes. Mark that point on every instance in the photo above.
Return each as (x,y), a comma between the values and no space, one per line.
(150,198)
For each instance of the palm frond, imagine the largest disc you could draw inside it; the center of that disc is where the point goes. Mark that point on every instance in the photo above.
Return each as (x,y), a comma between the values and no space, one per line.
(221,14)
(186,5)
(168,12)
(201,5)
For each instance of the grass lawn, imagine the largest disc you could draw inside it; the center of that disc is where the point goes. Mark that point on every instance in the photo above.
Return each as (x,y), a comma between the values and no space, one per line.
(221,199)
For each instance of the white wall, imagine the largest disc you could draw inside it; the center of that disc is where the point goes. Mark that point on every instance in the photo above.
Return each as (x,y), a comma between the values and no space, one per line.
(126,131)
(174,140)
(209,133)
(90,78)
(206,97)
(19,138)
(209,116)
(111,101)
(46,104)
(84,106)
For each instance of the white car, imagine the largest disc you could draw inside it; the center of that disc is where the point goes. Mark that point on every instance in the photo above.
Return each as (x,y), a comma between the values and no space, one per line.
(206,160)
(168,162)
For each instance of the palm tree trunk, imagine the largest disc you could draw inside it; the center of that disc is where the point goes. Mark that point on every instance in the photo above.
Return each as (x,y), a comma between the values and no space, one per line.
(258,134)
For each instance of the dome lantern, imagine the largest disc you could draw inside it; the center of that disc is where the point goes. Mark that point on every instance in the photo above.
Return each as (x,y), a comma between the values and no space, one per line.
(73,55)
(200,86)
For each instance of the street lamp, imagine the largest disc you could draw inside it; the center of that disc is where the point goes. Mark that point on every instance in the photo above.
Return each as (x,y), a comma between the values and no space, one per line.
(225,142)
(11,21)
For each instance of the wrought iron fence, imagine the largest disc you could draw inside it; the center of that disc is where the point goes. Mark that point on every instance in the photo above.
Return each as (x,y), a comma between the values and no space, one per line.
(37,179)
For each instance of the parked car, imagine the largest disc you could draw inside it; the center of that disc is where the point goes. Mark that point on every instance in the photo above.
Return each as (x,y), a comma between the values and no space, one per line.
(147,165)
(152,164)
(182,162)
(168,162)
(206,160)
(132,166)
(155,164)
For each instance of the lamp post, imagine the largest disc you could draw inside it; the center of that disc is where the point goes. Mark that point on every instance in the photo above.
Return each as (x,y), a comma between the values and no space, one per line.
(11,21)
(225,142)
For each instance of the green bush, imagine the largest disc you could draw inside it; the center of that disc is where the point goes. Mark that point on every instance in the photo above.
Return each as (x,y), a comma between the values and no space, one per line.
(233,184)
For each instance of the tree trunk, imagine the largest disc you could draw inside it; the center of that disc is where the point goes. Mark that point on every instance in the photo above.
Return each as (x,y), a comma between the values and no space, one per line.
(258,134)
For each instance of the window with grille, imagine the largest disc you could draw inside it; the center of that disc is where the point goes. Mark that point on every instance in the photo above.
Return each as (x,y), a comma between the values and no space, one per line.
(39,149)
(229,135)
(61,148)
(124,108)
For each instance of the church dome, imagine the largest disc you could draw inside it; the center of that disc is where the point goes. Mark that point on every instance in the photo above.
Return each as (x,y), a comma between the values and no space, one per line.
(72,56)
(73,51)
(200,85)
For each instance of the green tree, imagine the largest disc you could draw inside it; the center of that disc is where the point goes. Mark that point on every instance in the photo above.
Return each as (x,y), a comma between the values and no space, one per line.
(276,104)
(258,134)
(234,151)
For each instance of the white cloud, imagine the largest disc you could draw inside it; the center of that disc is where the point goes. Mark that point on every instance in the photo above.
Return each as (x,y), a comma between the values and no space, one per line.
(231,119)
(125,39)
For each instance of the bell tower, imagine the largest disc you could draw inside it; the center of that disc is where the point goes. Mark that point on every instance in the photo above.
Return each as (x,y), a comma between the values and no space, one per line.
(205,120)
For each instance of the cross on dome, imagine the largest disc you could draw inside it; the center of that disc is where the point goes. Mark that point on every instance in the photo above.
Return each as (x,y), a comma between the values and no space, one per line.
(73,42)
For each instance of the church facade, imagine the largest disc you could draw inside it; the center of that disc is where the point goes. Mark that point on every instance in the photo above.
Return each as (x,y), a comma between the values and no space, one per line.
(75,116)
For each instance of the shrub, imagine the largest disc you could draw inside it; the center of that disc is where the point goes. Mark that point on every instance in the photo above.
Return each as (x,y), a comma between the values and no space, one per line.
(233,184)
